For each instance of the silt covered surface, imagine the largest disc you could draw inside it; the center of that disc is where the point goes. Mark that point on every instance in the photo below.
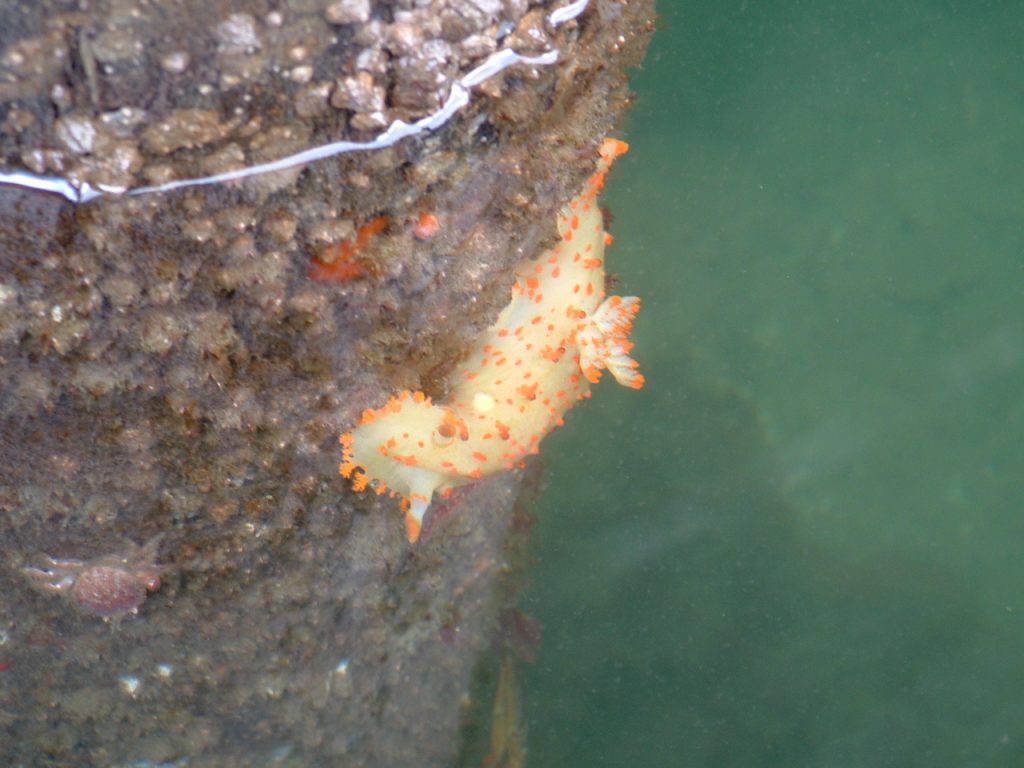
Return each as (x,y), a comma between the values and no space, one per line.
(169,368)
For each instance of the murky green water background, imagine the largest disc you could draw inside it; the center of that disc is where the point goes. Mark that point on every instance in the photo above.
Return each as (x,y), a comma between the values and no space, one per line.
(801,544)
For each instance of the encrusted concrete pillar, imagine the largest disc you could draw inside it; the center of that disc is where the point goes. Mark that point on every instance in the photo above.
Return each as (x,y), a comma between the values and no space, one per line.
(184,335)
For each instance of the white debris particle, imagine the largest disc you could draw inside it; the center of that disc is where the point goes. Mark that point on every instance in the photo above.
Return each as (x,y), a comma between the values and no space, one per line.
(129,684)
(175,62)
(238,33)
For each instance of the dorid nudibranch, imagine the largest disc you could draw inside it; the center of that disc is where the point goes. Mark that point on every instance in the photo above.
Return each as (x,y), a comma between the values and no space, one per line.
(547,346)
(109,586)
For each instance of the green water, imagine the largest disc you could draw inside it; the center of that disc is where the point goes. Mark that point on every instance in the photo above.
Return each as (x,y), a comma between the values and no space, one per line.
(800,544)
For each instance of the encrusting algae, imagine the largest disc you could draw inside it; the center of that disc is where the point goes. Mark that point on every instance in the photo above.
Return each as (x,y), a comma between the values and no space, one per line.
(552,341)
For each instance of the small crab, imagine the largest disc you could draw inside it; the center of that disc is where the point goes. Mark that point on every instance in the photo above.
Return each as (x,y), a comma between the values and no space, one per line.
(109,586)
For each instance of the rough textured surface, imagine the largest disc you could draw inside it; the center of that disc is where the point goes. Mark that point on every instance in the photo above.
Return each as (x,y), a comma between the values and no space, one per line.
(167,366)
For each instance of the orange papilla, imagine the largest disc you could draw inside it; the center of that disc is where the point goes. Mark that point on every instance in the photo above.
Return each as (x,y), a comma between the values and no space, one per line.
(337,262)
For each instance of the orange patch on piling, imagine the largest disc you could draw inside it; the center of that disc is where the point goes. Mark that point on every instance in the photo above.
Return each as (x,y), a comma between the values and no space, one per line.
(338,262)
(427,226)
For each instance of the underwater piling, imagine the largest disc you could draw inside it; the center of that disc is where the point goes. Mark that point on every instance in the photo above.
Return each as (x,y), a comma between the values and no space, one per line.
(226,230)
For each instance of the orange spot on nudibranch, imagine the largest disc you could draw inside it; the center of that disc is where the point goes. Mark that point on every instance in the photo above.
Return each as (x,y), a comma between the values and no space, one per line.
(451,425)
(528,391)
(553,354)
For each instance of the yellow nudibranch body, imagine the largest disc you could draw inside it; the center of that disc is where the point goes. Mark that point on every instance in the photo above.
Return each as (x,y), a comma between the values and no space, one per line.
(545,349)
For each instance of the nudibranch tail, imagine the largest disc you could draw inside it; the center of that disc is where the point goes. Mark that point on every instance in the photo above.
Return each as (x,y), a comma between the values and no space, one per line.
(414,518)
(539,358)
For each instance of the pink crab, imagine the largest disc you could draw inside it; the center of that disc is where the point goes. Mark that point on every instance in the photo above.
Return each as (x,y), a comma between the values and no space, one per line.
(109,586)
